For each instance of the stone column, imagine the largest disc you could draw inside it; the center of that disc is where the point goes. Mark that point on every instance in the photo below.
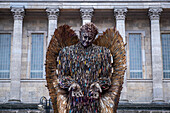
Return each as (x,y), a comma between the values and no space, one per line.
(86,15)
(157,70)
(52,21)
(15,66)
(120,14)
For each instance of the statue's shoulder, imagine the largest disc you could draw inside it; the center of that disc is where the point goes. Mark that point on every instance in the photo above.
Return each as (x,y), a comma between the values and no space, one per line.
(67,49)
(101,48)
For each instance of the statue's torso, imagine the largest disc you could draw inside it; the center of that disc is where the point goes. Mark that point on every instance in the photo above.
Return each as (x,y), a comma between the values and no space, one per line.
(84,66)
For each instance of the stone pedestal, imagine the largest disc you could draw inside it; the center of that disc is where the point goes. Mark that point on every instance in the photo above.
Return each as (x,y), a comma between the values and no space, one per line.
(120,14)
(52,21)
(15,67)
(86,14)
(157,69)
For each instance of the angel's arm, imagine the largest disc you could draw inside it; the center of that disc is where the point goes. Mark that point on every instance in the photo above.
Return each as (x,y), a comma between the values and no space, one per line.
(63,72)
(104,81)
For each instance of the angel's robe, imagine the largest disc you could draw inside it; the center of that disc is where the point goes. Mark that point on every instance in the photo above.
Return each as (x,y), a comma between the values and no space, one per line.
(84,66)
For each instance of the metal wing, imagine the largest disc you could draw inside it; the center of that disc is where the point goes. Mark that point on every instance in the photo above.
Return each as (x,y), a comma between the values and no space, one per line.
(113,41)
(63,36)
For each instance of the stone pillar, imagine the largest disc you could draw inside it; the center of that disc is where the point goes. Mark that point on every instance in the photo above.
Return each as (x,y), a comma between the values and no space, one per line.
(120,14)
(15,66)
(86,15)
(157,69)
(52,21)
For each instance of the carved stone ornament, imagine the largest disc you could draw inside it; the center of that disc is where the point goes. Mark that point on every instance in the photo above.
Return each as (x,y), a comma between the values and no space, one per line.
(120,13)
(52,13)
(154,13)
(18,12)
(86,13)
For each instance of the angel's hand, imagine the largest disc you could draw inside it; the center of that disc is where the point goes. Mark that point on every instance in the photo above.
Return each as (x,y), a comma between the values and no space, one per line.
(96,86)
(75,90)
(95,90)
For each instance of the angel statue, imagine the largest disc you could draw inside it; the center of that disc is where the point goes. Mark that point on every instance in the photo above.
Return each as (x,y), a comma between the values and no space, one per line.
(85,75)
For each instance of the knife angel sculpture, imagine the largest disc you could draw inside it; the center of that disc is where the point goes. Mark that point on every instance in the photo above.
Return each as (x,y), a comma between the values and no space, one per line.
(85,75)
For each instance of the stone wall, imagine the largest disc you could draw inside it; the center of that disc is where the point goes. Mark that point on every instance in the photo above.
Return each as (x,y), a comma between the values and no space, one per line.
(166,91)
(6,22)
(103,19)
(36,21)
(71,18)
(4,91)
(139,92)
(33,23)
(165,28)
(138,21)
(6,26)
(32,91)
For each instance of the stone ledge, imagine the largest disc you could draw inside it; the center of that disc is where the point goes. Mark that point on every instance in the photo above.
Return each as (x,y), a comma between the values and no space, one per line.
(122,106)
(18,106)
(85,0)
(149,106)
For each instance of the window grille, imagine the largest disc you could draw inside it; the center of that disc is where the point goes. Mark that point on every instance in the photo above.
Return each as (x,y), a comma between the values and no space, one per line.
(166,55)
(5,52)
(135,52)
(37,55)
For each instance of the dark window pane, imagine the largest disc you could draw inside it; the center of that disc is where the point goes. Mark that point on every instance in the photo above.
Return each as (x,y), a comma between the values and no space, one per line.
(5,52)
(135,52)
(37,56)
(166,55)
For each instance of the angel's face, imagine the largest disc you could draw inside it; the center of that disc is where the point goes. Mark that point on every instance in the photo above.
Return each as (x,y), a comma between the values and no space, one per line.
(86,39)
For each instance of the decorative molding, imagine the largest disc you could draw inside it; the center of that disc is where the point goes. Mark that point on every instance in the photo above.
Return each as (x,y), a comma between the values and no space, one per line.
(86,13)
(18,12)
(140,80)
(33,80)
(120,13)
(136,31)
(52,13)
(154,13)
(5,80)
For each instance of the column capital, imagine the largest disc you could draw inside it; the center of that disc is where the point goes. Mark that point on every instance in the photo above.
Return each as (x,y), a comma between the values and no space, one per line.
(120,13)
(18,12)
(52,13)
(86,13)
(154,13)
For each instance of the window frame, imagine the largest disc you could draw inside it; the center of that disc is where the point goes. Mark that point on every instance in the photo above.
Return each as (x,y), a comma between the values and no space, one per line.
(28,75)
(144,73)
(11,33)
(163,32)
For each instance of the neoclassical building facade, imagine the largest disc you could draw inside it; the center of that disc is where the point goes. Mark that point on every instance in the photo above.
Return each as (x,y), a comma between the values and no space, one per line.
(26,27)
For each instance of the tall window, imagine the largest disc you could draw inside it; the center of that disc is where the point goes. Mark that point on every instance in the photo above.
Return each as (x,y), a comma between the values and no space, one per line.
(37,55)
(135,52)
(5,52)
(166,55)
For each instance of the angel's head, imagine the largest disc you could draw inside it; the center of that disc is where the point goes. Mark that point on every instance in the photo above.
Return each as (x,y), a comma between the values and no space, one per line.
(88,33)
